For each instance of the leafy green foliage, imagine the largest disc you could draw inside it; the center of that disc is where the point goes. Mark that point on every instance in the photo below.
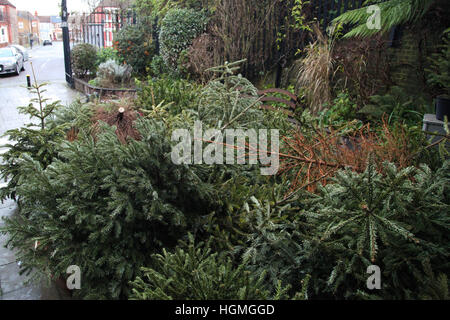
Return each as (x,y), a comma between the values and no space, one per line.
(178,29)
(75,115)
(193,272)
(135,46)
(392,13)
(158,67)
(439,72)
(274,240)
(106,54)
(342,109)
(84,59)
(397,105)
(106,207)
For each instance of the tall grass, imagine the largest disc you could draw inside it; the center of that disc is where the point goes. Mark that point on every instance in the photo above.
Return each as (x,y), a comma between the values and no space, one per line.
(314,77)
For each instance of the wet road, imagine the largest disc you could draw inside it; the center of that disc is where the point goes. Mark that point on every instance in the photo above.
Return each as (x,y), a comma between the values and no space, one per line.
(48,65)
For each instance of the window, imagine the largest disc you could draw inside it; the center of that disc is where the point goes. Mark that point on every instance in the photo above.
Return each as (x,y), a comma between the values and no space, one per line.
(1,14)
(20,25)
(3,35)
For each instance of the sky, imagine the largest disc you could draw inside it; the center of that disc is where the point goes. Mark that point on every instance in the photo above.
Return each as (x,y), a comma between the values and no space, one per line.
(49,7)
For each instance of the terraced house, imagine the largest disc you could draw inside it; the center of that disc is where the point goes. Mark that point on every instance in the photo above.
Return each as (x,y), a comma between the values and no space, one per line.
(28,27)
(8,23)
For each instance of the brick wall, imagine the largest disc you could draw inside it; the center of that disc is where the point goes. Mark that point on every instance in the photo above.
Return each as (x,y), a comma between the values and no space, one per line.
(417,42)
(409,59)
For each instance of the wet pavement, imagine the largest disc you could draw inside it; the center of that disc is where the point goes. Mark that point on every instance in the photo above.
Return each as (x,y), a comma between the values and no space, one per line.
(48,63)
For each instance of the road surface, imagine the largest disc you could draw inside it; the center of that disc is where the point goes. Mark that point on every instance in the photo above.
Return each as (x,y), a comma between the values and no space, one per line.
(48,65)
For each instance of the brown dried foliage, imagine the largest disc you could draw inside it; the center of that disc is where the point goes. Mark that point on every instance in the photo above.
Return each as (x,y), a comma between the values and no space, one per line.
(362,66)
(316,70)
(202,55)
(124,123)
(312,159)
(72,134)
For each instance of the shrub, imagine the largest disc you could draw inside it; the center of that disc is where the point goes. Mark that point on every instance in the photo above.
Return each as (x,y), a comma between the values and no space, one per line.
(397,105)
(200,57)
(106,207)
(106,54)
(396,221)
(342,109)
(195,273)
(178,29)
(134,44)
(110,72)
(158,67)
(84,57)
(361,68)
(438,74)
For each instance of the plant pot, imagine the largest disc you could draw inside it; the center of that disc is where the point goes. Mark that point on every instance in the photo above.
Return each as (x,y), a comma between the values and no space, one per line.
(442,107)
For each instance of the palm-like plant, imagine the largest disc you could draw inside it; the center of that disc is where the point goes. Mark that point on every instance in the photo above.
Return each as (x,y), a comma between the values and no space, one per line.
(392,13)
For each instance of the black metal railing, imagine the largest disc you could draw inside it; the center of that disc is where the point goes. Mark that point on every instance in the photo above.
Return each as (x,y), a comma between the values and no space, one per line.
(98,27)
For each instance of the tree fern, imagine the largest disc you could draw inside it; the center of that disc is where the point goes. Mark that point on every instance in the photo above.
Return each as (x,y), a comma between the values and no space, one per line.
(392,13)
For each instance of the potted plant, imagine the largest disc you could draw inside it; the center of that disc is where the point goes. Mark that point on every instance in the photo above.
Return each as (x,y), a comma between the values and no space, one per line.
(439,77)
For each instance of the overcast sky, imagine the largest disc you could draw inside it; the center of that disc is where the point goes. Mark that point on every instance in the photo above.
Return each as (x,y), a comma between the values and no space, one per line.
(48,7)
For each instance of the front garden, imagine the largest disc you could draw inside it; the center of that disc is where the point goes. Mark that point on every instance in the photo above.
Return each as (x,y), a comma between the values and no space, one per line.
(359,182)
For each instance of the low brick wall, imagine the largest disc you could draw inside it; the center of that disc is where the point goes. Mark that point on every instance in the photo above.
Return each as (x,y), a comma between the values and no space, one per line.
(87,89)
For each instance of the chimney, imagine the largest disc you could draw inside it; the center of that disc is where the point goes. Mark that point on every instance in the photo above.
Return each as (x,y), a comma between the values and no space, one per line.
(35,14)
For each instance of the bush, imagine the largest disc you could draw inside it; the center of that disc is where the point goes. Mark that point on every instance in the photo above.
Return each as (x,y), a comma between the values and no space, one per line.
(397,105)
(438,74)
(315,72)
(111,73)
(158,67)
(84,58)
(341,110)
(106,207)
(135,46)
(200,57)
(106,54)
(178,29)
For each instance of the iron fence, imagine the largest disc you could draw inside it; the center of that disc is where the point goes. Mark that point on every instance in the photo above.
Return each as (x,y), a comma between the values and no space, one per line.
(98,28)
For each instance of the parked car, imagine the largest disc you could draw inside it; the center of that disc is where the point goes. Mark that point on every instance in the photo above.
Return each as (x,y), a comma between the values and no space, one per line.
(48,43)
(11,61)
(22,50)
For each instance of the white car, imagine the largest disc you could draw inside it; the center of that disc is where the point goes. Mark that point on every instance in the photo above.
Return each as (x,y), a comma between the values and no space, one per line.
(11,61)
(22,50)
